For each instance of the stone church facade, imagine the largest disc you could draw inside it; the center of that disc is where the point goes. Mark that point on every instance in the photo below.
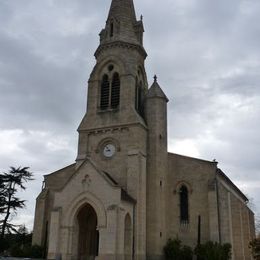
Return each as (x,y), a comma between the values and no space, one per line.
(125,195)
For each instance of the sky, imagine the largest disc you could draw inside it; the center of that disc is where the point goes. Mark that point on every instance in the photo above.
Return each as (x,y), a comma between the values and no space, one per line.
(205,53)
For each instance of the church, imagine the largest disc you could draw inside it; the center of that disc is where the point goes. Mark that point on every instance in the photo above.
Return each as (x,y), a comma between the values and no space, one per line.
(126,195)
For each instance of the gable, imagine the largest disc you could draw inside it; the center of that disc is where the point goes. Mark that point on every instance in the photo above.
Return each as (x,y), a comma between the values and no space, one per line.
(58,179)
(88,179)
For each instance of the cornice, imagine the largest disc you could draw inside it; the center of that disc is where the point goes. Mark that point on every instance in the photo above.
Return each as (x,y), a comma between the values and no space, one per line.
(120,44)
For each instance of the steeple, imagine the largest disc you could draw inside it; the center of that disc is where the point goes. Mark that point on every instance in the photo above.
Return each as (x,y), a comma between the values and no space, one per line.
(122,25)
(122,9)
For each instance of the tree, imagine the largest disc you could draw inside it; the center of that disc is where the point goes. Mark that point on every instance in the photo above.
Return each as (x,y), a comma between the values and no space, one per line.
(254,245)
(257,224)
(9,202)
(175,250)
(2,195)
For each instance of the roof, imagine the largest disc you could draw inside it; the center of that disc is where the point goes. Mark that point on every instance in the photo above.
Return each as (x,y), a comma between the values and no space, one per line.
(219,172)
(126,197)
(193,158)
(68,168)
(226,178)
(156,91)
(110,178)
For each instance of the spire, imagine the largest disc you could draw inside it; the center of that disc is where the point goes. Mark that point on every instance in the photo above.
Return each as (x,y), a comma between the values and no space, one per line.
(121,24)
(122,9)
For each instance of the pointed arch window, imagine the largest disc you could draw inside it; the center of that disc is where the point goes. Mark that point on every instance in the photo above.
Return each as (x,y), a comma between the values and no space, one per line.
(111,29)
(115,91)
(139,97)
(110,92)
(184,204)
(105,89)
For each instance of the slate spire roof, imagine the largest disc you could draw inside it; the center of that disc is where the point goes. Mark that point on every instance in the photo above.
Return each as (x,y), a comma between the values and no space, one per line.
(122,25)
(156,91)
(122,10)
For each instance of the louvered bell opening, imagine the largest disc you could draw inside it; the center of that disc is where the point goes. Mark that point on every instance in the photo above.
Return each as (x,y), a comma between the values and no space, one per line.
(115,92)
(104,100)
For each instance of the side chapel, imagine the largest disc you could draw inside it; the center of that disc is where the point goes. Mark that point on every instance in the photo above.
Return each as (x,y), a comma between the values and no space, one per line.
(126,195)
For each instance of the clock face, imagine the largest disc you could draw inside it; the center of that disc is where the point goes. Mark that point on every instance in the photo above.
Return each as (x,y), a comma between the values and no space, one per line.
(109,150)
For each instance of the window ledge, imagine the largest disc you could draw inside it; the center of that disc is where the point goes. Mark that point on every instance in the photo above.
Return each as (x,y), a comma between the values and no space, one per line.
(100,111)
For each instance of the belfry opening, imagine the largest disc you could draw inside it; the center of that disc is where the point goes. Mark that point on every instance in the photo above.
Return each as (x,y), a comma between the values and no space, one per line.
(88,236)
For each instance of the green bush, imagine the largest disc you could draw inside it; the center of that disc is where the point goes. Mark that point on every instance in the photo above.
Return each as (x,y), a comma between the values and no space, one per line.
(4,244)
(16,251)
(175,251)
(254,245)
(36,251)
(213,251)
(27,251)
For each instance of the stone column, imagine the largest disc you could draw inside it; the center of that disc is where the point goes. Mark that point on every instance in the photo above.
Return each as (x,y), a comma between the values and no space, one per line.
(53,248)
(39,226)
(136,187)
(213,213)
(108,236)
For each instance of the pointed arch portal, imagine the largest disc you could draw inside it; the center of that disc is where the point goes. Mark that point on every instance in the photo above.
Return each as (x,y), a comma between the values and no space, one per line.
(88,236)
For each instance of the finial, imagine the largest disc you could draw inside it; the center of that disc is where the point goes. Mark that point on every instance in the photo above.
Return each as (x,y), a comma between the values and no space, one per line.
(155,78)
(141,17)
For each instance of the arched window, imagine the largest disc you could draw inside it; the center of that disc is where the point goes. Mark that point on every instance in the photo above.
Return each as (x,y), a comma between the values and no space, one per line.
(115,91)
(136,95)
(110,92)
(111,29)
(184,204)
(139,97)
(105,93)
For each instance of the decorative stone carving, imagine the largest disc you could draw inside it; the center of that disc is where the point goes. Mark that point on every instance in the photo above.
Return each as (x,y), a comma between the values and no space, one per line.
(86,181)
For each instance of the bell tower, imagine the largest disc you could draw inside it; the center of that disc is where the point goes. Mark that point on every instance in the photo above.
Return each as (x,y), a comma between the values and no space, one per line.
(118,83)
(113,132)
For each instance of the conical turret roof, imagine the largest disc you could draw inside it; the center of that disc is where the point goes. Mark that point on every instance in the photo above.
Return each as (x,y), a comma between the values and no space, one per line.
(156,91)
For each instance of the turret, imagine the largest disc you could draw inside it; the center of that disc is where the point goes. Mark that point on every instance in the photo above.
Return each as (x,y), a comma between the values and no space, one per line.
(157,167)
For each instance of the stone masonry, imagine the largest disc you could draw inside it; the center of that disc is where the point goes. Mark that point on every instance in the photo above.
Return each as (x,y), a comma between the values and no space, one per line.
(125,195)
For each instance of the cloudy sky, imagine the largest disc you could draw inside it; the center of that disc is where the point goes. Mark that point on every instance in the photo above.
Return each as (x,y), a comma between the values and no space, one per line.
(205,53)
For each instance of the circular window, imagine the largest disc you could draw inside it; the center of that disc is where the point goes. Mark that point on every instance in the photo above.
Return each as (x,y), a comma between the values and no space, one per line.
(110,67)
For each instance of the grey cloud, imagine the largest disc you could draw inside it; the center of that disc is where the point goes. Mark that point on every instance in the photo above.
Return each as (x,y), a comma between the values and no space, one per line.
(206,56)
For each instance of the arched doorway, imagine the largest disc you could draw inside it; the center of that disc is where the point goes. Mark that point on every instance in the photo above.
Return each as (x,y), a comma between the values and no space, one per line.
(88,236)
(128,238)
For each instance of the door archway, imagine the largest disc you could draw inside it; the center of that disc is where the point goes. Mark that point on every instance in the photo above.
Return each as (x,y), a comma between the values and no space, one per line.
(88,236)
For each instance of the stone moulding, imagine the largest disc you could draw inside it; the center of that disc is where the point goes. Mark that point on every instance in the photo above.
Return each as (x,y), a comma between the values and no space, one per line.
(120,44)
